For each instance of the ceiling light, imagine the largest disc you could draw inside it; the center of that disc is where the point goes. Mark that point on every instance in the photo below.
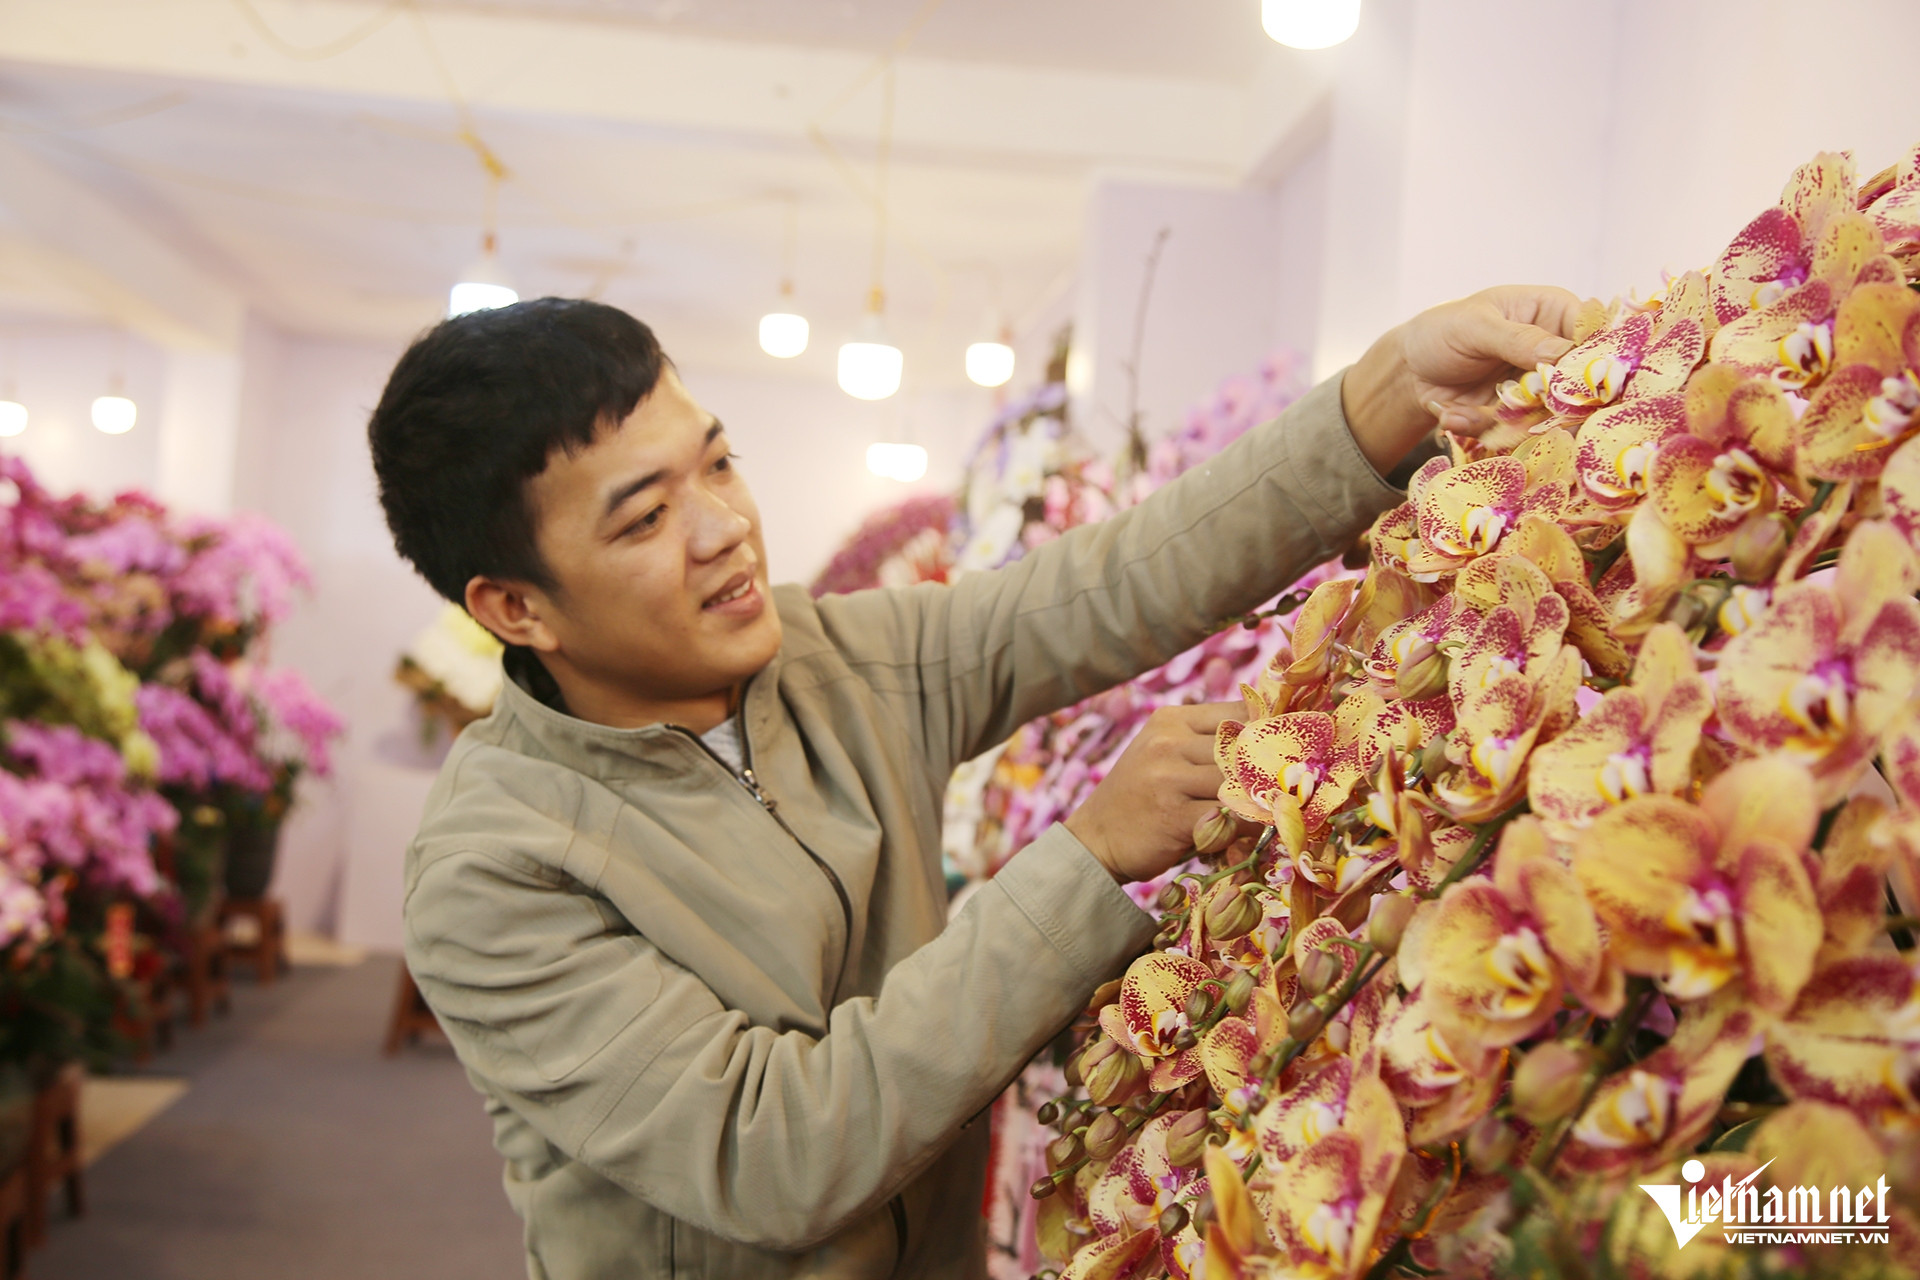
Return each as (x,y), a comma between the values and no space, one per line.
(903,462)
(483,285)
(990,363)
(783,333)
(13,417)
(1310,24)
(115,415)
(870,366)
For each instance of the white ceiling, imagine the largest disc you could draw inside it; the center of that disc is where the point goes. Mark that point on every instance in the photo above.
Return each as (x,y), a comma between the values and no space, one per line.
(653,149)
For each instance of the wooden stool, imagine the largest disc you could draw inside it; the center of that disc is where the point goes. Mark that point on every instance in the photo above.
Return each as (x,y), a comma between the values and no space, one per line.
(205,972)
(53,1152)
(411,1016)
(13,1225)
(264,919)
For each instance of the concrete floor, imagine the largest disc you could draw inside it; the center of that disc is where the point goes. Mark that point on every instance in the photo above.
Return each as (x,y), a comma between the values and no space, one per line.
(299,1153)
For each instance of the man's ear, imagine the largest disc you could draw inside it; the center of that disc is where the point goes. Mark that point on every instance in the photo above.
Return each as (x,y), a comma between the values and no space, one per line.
(512,612)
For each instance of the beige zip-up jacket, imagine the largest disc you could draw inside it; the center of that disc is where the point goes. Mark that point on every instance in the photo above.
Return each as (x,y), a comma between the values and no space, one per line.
(721,1022)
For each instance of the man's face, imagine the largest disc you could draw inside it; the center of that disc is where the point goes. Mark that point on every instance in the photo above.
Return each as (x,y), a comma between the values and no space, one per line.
(655,544)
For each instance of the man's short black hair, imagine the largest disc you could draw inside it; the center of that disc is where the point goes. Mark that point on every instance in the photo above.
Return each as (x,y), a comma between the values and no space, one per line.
(474,410)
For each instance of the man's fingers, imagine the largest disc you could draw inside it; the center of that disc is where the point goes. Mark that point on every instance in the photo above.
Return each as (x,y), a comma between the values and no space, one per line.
(1205,717)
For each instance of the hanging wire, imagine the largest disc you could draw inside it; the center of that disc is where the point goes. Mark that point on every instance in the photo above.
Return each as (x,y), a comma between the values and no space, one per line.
(319,52)
(883,157)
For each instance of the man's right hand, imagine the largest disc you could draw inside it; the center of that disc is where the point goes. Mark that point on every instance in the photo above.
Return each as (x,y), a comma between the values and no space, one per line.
(1139,821)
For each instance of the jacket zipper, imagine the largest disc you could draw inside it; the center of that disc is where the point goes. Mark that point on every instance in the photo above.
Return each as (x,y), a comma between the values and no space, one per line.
(746,778)
(896,1207)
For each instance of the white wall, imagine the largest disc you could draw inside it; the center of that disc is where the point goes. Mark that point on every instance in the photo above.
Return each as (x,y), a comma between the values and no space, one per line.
(56,369)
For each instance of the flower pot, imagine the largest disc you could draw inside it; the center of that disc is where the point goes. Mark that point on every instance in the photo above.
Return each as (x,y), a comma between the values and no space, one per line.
(252,849)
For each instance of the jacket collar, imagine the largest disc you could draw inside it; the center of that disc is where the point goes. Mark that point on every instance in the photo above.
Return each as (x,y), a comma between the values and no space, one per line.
(604,752)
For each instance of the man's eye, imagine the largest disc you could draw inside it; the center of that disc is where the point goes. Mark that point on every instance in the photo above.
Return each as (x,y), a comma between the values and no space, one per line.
(645,522)
(726,462)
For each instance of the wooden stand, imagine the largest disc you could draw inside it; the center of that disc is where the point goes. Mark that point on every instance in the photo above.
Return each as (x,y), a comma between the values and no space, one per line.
(13,1225)
(205,972)
(267,951)
(410,1015)
(53,1152)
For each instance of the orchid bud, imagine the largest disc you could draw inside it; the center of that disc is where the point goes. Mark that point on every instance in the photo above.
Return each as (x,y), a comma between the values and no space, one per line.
(1048,1113)
(1105,1136)
(1064,1150)
(1042,1189)
(1548,1082)
(1318,972)
(1203,1209)
(1115,1077)
(1187,1139)
(1170,897)
(1232,913)
(1239,992)
(1306,1020)
(1214,832)
(1173,1219)
(1389,922)
(1104,994)
(1490,1143)
(1422,673)
(1199,1005)
(1433,757)
(1759,546)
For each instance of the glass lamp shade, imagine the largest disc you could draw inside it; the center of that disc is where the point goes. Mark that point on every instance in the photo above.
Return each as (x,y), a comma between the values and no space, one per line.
(482,287)
(990,363)
(115,415)
(903,462)
(1310,24)
(783,334)
(870,369)
(13,417)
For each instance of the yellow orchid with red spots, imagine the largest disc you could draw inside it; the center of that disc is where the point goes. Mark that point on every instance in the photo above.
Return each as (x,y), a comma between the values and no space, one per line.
(1500,952)
(1639,739)
(1826,669)
(1871,401)
(1327,1202)
(1575,853)
(1696,897)
(1290,770)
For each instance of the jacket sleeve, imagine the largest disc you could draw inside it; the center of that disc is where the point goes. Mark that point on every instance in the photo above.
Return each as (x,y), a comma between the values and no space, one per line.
(1107,601)
(628,1063)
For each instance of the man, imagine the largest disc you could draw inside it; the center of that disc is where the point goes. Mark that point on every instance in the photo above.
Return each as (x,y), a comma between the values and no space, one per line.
(678,902)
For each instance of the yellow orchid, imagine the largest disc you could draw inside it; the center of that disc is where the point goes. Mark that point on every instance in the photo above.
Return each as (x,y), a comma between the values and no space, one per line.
(1697,896)
(1773,254)
(1500,952)
(1463,512)
(1445,1085)
(1871,401)
(1149,1018)
(1553,551)
(1637,740)
(1290,770)
(1853,1039)
(1406,660)
(1614,450)
(1327,1203)
(1644,1114)
(1634,358)
(1511,686)
(1894,206)
(1826,669)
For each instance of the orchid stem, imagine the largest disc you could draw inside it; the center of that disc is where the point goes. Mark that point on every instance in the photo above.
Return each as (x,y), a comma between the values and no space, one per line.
(1602,560)
(1477,851)
(1612,1050)
(1821,493)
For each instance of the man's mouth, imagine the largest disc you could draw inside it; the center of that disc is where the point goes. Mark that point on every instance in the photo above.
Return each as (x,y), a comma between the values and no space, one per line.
(737,587)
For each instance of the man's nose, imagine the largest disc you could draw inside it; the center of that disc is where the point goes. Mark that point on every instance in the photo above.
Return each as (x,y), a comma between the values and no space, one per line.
(718,527)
